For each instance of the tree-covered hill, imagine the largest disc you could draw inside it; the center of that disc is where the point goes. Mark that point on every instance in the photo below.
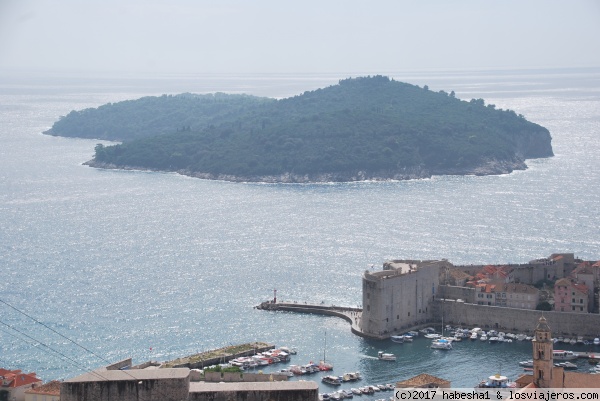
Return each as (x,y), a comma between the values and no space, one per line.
(362,128)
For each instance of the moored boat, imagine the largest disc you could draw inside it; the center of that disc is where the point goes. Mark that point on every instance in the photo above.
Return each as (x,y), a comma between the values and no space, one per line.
(496,381)
(333,380)
(398,339)
(562,355)
(441,344)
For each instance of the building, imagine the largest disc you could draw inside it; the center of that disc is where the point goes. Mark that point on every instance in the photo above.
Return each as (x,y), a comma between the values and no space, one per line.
(545,374)
(399,296)
(513,295)
(570,296)
(45,392)
(14,383)
(124,382)
(424,381)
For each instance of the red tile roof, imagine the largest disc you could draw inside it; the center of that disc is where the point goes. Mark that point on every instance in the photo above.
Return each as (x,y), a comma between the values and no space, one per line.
(50,388)
(16,378)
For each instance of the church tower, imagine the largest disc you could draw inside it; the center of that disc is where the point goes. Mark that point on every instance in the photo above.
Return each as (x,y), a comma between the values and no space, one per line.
(543,361)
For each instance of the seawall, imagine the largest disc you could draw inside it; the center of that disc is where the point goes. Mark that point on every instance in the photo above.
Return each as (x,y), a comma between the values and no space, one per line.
(516,320)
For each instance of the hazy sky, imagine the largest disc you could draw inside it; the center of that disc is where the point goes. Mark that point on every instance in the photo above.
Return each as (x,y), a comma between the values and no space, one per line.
(279,36)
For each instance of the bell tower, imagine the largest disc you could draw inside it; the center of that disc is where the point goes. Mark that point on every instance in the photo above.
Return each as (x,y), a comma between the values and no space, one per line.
(543,361)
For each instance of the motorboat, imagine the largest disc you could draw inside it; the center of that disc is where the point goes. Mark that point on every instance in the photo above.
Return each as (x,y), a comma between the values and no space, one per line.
(496,381)
(561,355)
(398,339)
(566,365)
(483,337)
(473,336)
(596,341)
(432,336)
(408,338)
(333,380)
(441,343)
(526,364)
(385,356)
(351,377)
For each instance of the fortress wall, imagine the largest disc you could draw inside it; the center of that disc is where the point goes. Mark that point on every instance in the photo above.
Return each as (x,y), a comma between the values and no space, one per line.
(453,292)
(516,320)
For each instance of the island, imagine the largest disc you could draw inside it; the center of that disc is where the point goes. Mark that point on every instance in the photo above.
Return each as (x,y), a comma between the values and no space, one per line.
(366,128)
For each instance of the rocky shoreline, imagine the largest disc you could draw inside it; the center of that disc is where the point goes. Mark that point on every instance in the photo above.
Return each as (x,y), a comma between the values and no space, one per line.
(489,167)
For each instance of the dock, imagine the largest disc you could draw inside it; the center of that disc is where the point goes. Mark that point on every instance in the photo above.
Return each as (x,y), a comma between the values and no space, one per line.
(221,355)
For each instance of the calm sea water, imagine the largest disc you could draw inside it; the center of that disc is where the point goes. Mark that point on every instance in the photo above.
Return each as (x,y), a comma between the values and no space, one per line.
(157,266)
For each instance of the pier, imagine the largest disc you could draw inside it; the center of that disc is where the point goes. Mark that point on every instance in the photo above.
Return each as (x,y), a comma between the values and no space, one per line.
(221,355)
(349,314)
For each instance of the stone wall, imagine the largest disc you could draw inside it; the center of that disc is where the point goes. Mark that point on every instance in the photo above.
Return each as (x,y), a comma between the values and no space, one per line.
(271,391)
(126,390)
(242,377)
(451,292)
(516,320)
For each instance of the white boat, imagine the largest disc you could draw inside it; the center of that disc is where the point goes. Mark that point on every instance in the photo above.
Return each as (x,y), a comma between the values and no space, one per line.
(408,338)
(521,337)
(413,333)
(496,381)
(285,372)
(333,380)
(385,356)
(596,341)
(397,339)
(356,391)
(494,340)
(473,336)
(432,336)
(526,364)
(561,355)
(483,337)
(441,343)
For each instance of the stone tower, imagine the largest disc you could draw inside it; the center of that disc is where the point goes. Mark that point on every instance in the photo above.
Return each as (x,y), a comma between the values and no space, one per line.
(543,361)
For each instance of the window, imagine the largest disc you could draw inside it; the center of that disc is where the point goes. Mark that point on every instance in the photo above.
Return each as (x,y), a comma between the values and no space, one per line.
(581,301)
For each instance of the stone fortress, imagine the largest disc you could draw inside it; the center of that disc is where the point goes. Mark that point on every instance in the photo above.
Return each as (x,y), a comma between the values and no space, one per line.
(410,293)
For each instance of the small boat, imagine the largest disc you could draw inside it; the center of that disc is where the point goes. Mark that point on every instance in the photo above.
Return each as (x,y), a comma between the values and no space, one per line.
(385,356)
(441,344)
(596,341)
(573,341)
(496,381)
(580,340)
(521,337)
(408,338)
(473,336)
(390,386)
(526,364)
(366,390)
(432,335)
(398,339)
(566,365)
(561,355)
(413,333)
(333,380)
(351,377)
(382,387)
(355,391)
(494,339)
(483,337)
(285,372)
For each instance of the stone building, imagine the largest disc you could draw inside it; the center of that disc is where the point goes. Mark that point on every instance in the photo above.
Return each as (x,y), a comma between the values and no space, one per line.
(570,296)
(46,392)
(399,296)
(14,383)
(545,373)
(520,296)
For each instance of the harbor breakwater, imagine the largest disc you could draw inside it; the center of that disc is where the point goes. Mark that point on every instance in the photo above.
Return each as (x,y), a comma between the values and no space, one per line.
(464,314)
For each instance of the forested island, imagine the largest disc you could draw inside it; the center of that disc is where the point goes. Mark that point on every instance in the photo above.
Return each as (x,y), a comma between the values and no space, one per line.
(367,128)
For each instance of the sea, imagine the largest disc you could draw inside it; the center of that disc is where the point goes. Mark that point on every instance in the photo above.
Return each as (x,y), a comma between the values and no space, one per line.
(101,265)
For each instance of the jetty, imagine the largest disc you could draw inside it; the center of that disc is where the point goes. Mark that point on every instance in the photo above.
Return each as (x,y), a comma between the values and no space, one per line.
(351,315)
(220,355)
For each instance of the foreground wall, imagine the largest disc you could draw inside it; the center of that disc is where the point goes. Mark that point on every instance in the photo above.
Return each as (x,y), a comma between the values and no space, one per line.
(271,391)
(516,320)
